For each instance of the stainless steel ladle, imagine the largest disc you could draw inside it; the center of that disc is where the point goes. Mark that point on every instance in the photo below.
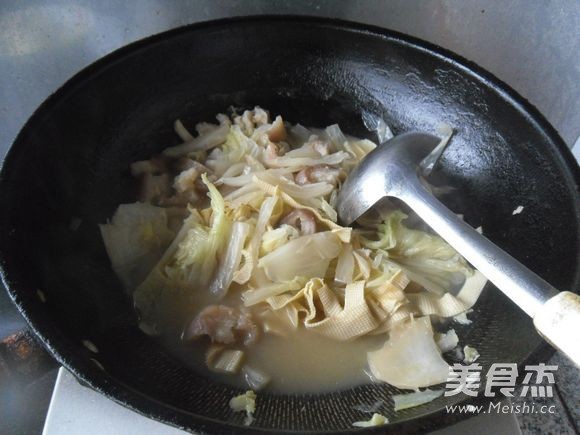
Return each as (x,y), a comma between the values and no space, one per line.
(392,170)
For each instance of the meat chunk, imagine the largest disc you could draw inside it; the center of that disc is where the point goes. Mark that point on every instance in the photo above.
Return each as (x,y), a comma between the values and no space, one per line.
(321,147)
(184,163)
(186,180)
(223,324)
(246,327)
(277,132)
(156,181)
(245,122)
(272,151)
(251,119)
(303,220)
(318,174)
(216,321)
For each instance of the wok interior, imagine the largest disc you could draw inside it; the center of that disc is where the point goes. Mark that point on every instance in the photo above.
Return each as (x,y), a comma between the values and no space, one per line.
(72,162)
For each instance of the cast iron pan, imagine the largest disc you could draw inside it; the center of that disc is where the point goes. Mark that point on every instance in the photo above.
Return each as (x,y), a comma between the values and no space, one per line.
(71,161)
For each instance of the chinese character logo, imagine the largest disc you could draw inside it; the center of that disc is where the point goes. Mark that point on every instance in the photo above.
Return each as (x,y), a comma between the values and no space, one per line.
(501,375)
(463,379)
(466,379)
(542,372)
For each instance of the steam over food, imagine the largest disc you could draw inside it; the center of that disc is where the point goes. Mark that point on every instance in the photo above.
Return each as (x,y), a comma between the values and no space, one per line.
(234,248)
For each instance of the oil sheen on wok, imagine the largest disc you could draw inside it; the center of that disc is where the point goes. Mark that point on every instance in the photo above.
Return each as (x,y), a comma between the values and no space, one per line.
(232,255)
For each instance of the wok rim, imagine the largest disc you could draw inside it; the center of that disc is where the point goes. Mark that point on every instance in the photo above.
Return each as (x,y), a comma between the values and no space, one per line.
(131,398)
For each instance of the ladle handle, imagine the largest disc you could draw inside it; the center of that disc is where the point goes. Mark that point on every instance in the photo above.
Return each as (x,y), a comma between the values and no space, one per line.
(531,293)
(558,321)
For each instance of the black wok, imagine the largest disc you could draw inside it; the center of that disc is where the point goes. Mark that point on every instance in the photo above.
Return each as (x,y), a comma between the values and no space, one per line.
(71,161)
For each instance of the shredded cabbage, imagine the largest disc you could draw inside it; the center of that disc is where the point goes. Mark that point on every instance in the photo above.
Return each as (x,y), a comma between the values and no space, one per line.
(228,361)
(345,266)
(201,143)
(307,256)
(277,237)
(336,137)
(410,358)
(231,259)
(471,354)
(425,257)
(405,401)
(376,420)
(254,296)
(197,255)
(217,226)
(255,379)
(135,240)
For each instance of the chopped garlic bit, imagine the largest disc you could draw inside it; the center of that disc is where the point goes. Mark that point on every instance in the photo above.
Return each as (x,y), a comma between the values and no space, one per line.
(471,354)
(376,420)
(462,319)
(447,341)
(518,210)
(245,402)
